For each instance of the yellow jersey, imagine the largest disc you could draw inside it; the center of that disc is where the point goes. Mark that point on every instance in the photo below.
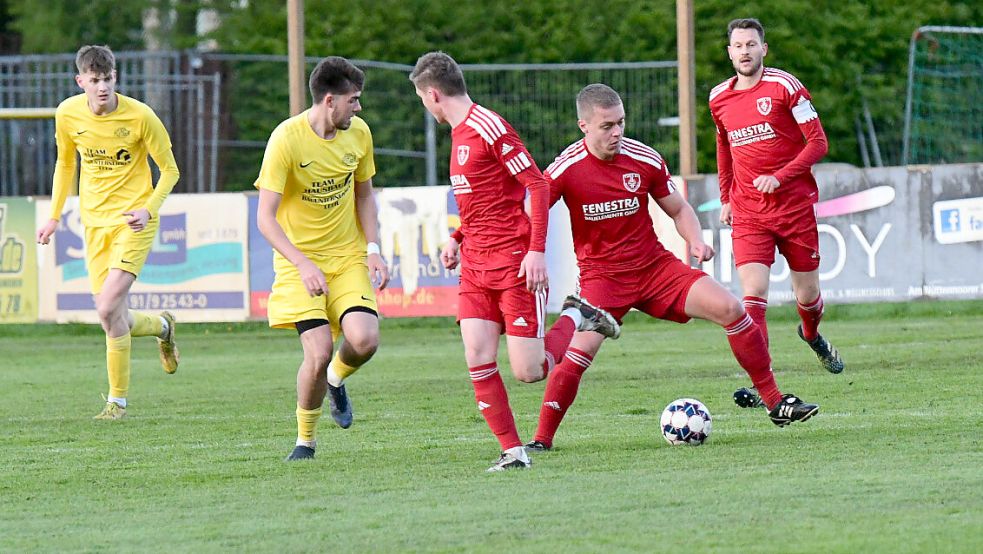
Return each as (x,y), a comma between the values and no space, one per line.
(115,175)
(317,179)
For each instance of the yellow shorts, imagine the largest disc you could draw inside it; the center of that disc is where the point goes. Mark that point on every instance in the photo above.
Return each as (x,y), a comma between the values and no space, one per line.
(348,287)
(117,247)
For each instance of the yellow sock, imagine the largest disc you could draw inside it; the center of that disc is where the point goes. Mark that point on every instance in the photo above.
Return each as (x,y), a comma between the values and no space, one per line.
(118,364)
(307,423)
(145,325)
(340,368)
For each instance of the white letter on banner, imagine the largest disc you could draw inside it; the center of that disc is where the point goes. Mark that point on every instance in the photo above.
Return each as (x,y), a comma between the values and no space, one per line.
(871,249)
(841,251)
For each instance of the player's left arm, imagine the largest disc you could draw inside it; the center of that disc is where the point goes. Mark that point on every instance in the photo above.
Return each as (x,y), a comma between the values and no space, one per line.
(520,164)
(682,214)
(805,115)
(368,218)
(159,147)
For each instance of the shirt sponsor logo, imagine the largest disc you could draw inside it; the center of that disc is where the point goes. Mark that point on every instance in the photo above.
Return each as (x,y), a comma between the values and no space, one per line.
(463,151)
(460,184)
(631,181)
(751,134)
(622,207)
(764,105)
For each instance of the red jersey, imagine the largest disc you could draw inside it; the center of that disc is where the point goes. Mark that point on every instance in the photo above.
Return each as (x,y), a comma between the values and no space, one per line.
(490,172)
(768,129)
(608,203)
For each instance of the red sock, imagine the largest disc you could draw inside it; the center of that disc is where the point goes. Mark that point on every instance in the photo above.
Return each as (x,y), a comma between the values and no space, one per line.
(749,348)
(811,314)
(556,342)
(756,307)
(493,403)
(561,390)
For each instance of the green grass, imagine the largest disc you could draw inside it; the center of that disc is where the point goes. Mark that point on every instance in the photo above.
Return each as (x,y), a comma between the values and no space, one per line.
(891,464)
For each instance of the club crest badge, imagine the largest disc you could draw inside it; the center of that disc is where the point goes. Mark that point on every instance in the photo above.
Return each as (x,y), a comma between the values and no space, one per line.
(631,181)
(462,154)
(764,105)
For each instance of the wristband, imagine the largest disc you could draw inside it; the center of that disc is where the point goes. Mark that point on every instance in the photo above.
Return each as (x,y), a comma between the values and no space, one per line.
(371,248)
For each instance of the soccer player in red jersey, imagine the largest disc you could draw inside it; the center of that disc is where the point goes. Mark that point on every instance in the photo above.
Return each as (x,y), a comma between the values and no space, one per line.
(606,180)
(768,138)
(500,250)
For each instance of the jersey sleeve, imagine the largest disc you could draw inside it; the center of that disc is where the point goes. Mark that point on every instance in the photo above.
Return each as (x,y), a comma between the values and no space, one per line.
(725,161)
(276,164)
(512,154)
(662,184)
(64,165)
(366,165)
(159,147)
(805,115)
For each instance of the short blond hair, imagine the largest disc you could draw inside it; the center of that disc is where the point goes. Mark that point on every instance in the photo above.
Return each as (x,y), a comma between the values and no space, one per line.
(595,95)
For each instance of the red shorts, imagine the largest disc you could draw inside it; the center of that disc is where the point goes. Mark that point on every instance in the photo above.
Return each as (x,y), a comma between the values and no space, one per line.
(658,288)
(796,237)
(491,290)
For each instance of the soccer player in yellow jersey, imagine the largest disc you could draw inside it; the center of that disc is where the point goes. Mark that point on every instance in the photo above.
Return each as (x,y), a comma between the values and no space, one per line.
(113,134)
(317,210)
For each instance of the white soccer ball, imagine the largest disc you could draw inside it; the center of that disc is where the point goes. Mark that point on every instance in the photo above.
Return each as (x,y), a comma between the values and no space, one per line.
(686,421)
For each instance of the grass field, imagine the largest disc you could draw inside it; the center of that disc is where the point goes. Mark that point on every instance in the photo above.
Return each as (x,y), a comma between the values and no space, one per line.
(893,463)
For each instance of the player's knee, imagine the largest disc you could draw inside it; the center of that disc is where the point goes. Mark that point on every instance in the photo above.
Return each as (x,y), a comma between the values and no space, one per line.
(317,362)
(529,373)
(731,310)
(364,343)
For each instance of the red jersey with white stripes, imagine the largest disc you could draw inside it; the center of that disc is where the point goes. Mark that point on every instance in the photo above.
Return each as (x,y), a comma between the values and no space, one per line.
(769,129)
(490,172)
(608,203)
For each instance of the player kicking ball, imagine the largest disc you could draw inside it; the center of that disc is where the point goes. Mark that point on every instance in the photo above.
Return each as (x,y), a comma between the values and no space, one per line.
(606,180)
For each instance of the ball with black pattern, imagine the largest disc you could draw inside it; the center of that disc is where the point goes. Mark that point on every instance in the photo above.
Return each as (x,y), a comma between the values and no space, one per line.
(686,421)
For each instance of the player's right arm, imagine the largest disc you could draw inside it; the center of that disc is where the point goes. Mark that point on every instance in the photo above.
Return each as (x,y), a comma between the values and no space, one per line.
(271,183)
(310,274)
(725,170)
(64,174)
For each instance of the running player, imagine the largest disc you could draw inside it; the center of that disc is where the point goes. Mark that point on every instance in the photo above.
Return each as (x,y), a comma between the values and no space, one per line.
(503,270)
(768,138)
(113,134)
(317,210)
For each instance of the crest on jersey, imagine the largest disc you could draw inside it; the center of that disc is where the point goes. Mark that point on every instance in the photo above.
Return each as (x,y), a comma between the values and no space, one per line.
(764,105)
(462,154)
(631,181)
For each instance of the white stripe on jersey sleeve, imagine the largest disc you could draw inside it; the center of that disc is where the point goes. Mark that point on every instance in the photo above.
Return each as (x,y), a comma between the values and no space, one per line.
(780,80)
(480,130)
(559,166)
(488,115)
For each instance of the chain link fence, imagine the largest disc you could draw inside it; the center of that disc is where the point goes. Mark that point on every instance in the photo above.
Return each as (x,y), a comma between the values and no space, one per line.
(221,108)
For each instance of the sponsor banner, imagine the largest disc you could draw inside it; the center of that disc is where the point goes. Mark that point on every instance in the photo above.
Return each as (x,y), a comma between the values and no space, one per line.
(414,222)
(260,264)
(195,269)
(18,261)
(875,238)
(958,220)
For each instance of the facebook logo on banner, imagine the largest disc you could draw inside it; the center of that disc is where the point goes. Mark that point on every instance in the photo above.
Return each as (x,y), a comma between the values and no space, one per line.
(949,220)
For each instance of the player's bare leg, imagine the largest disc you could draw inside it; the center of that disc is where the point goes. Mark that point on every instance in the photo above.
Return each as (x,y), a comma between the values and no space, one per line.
(526,356)
(312,384)
(361,340)
(112,310)
(810,306)
(480,338)
(562,386)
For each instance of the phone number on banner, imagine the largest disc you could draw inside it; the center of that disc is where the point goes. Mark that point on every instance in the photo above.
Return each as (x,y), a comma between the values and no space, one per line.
(160,301)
